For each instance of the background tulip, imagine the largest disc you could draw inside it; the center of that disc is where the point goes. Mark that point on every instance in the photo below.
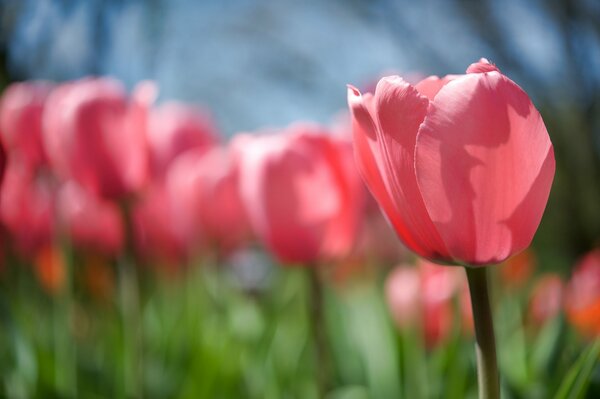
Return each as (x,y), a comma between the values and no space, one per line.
(546,298)
(175,128)
(582,297)
(300,197)
(462,169)
(158,236)
(403,295)
(90,222)
(424,296)
(96,135)
(21,108)
(27,208)
(205,189)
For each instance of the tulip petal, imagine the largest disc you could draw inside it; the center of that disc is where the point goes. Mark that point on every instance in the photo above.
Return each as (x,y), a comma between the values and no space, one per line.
(400,111)
(370,163)
(431,85)
(484,165)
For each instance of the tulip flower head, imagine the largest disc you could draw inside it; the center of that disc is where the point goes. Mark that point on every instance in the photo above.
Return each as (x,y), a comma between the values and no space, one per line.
(158,236)
(425,295)
(301,197)
(95,135)
(175,128)
(582,301)
(90,222)
(461,165)
(546,298)
(21,109)
(27,207)
(204,186)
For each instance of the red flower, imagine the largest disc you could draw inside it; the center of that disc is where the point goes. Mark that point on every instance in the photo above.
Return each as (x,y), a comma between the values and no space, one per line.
(302,197)
(461,165)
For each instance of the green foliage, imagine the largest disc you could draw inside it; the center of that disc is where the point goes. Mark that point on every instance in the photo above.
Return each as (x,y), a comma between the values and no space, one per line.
(205,337)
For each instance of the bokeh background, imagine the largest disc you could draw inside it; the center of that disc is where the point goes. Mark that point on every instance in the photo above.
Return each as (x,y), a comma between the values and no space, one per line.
(266,64)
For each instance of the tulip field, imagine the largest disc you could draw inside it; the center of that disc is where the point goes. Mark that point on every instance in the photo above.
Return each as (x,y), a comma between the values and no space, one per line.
(384,255)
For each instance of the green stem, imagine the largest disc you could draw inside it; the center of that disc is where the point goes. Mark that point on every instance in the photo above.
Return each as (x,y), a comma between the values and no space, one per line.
(66,356)
(317,322)
(131,315)
(487,367)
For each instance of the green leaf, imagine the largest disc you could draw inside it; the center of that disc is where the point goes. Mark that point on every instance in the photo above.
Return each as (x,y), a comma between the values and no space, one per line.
(575,384)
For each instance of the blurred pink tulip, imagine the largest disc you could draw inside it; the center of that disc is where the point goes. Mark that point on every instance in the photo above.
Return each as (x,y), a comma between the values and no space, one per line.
(96,135)
(425,295)
(582,297)
(462,165)
(303,200)
(27,207)
(175,128)
(403,294)
(158,237)
(205,189)
(91,223)
(21,110)
(546,298)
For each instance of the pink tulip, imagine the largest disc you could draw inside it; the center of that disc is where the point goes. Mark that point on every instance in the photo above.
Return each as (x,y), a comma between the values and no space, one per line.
(91,223)
(158,237)
(95,134)
(403,295)
(302,198)
(175,128)
(424,296)
(461,165)
(27,207)
(205,189)
(582,297)
(546,298)
(21,110)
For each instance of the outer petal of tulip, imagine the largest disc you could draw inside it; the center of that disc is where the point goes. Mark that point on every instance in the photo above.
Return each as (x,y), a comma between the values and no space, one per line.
(21,109)
(385,129)
(91,223)
(484,165)
(175,128)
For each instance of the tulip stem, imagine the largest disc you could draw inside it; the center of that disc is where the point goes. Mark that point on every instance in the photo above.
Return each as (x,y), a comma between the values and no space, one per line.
(130,309)
(487,366)
(318,327)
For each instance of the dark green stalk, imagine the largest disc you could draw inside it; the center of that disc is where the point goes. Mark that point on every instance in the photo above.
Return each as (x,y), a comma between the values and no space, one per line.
(487,366)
